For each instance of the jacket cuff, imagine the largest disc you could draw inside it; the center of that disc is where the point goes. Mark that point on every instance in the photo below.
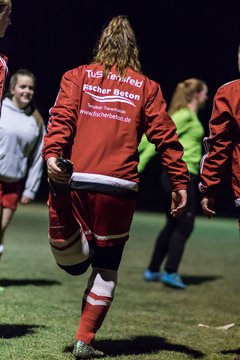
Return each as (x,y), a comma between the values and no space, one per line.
(29,194)
(50,155)
(207,192)
(179,187)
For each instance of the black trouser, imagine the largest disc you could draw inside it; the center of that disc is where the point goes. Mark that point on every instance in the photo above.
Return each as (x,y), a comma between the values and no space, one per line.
(171,240)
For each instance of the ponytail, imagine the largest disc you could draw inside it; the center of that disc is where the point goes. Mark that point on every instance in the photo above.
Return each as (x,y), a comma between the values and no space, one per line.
(184,93)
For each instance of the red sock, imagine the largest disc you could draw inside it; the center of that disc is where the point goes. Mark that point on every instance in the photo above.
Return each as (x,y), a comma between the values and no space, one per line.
(94,310)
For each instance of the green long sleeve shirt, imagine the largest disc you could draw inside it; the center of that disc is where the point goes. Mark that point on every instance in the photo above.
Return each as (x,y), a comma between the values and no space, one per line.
(190,133)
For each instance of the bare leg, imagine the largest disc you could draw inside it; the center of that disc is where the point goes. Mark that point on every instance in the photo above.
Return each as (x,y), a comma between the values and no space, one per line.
(6,217)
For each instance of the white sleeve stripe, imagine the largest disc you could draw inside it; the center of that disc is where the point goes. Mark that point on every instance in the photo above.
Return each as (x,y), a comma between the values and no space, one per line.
(110,237)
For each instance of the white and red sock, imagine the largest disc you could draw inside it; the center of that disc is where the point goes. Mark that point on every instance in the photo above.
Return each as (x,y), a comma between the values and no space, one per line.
(96,302)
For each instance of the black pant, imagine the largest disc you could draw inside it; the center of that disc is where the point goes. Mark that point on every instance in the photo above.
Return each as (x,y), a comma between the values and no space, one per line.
(171,240)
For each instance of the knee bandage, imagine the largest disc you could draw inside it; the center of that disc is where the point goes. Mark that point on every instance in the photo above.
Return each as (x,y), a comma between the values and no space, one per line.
(71,251)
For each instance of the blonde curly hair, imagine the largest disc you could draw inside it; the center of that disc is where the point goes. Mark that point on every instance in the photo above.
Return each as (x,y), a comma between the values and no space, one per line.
(117,46)
(4,4)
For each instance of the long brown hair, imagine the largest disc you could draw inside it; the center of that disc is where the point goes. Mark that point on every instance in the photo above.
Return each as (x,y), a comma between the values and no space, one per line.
(117,45)
(184,93)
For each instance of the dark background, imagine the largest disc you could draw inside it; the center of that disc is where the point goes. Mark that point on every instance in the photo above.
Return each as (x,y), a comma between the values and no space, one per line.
(177,40)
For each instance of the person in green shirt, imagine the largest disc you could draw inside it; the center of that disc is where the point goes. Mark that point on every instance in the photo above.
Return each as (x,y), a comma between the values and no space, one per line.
(189,96)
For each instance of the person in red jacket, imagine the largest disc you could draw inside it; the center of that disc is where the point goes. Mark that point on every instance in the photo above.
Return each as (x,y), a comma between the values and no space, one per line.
(97,121)
(222,146)
(5,10)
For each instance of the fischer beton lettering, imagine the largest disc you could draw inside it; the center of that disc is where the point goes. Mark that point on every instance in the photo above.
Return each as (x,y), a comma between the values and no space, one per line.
(87,87)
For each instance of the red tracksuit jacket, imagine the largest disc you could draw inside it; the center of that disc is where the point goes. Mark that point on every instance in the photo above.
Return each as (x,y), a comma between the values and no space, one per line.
(223,143)
(98,122)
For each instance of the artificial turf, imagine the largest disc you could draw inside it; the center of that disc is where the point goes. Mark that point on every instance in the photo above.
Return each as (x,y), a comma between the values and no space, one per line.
(40,306)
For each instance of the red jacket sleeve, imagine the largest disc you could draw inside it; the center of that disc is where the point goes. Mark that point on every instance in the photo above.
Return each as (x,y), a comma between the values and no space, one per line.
(63,117)
(218,145)
(161,131)
(3,76)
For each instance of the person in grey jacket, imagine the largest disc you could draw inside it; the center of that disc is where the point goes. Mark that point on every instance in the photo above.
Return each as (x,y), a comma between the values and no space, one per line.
(21,135)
